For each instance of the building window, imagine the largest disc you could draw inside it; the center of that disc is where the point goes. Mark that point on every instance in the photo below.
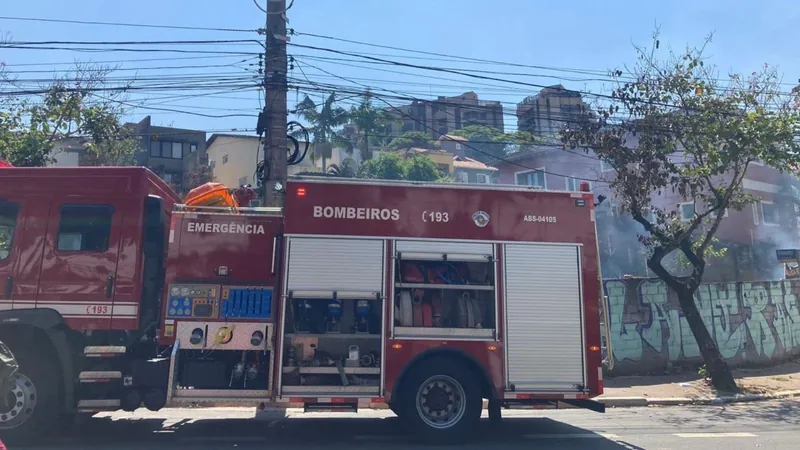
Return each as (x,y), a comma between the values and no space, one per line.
(224,159)
(168,177)
(686,211)
(574,184)
(84,228)
(166,149)
(532,178)
(462,177)
(8,223)
(769,213)
(458,146)
(192,148)
(212,164)
(614,209)
(483,178)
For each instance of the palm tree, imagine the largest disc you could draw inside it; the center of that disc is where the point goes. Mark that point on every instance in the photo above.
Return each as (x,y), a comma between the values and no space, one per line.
(371,122)
(323,125)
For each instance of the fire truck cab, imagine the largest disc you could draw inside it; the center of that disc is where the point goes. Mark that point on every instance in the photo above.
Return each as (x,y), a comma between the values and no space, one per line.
(428,298)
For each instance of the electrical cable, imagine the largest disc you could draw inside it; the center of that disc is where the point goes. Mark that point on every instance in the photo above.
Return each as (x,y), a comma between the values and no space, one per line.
(454,140)
(121,24)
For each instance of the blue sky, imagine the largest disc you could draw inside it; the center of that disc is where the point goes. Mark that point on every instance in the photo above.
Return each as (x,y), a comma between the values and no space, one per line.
(578,34)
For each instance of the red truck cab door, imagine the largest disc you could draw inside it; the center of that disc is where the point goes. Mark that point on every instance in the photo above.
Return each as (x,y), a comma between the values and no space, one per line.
(9,228)
(79,264)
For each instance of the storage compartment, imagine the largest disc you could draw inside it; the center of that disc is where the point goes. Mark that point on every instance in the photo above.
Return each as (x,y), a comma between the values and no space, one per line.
(543,305)
(447,292)
(333,324)
(224,370)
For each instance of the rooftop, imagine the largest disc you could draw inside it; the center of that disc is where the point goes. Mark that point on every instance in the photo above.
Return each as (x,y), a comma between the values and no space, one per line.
(463,162)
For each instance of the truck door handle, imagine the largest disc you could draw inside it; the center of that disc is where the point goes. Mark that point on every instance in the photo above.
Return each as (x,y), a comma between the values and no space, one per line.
(109,286)
(9,285)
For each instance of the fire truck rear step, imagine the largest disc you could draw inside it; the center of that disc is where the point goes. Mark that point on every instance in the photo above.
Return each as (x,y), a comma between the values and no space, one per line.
(330,407)
(98,405)
(99,376)
(104,351)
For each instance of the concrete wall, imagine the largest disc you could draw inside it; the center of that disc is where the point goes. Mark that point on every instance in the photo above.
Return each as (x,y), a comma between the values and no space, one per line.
(756,322)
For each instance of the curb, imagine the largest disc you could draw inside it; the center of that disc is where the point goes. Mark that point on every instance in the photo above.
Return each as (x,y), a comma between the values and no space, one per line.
(628,402)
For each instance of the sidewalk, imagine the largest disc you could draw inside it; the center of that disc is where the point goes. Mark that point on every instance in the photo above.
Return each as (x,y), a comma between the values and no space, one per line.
(689,388)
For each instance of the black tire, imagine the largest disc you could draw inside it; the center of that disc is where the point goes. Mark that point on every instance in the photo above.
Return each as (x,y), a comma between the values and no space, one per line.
(35,391)
(453,412)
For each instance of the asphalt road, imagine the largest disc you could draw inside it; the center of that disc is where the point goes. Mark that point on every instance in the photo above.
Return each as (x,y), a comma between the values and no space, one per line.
(768,425)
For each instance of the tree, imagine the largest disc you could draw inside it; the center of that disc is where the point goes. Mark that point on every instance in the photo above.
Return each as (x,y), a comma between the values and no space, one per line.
(196,176)
(675,127)
(488,144)
(388,166)
(324,125)
(31,124)
(372,124)
(412,139)
(392,166)
(119,152)
(421,168)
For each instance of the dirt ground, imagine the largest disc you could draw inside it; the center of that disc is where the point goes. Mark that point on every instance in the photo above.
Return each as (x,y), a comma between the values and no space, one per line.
(785,377)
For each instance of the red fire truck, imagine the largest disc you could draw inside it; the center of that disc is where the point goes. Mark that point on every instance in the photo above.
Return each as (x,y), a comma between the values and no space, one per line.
(428,298)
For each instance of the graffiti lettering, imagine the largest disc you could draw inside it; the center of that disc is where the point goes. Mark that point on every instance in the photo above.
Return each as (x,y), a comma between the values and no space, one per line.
(750,322)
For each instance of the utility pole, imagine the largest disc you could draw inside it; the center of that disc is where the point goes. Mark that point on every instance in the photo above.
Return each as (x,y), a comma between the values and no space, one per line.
(275,85)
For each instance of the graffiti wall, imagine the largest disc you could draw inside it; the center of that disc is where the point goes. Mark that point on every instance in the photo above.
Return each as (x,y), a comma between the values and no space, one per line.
(755,322)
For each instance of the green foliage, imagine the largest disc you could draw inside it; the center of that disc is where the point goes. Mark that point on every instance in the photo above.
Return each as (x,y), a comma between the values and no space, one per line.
(412,139)
(324,123)
(388,166)
(392,166)
(675,128)
(488,143)
(30,126)
(421,168)
(372,123)
(695,136)
(120,152)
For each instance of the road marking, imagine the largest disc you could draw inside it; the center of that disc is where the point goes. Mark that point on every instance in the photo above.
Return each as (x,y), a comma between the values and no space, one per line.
(714,435)
(572,436)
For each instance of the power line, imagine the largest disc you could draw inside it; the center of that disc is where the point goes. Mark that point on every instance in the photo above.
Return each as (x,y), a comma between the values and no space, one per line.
(129,50)
(454,140)
(599,72)
(171,42)
(119,61)
(121,24)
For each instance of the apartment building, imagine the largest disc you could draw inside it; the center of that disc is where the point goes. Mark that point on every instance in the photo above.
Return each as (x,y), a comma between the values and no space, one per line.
(549,111)
(233,159)
(170,152)
(446,114)
(751,235)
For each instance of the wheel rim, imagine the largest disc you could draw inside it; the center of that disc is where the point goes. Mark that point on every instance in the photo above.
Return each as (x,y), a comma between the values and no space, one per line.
(19,403)
(441,401)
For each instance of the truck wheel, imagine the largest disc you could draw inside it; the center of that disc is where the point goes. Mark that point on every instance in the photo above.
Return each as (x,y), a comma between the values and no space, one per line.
(30,405)
(442,401)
